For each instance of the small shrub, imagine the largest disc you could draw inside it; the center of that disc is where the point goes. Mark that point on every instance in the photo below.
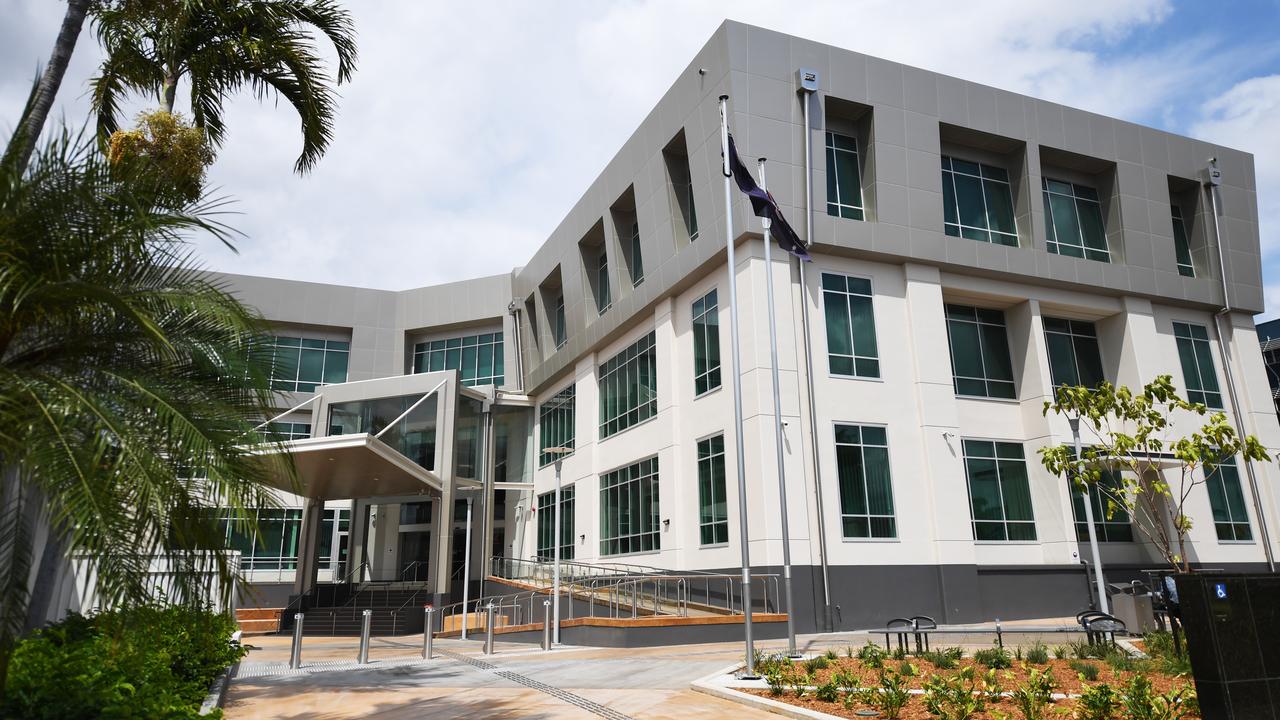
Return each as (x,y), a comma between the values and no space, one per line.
(1120,661)
(908,669)
(773,662)
(1098,702)
(815,664)
(1159,645)
(899,653)
(777,682)
(1038,654)
(1017,654)
(828,691)
(953,698)
(1141,702)
(831,654)
(891,696)
(990,686)
(1032,698)
(872,656)
(1086,670)
(1061,651)
(845,679)
(1083,650)
(997,658)
(945,658)
(799,682)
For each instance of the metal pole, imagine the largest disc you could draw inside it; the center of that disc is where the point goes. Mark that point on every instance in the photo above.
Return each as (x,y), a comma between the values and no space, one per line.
(1103,604)
(466,569)
(295,652)
(809,371)
(735,373)
(428,633)
(365,621)
(555,544)
(546,624)
(777,409)
(1214,178)
(488,630)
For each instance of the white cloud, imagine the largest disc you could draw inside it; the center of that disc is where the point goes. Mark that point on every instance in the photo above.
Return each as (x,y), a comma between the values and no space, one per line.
(470,129)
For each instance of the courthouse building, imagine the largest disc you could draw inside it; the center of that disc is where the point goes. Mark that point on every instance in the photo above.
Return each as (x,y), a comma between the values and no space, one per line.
(972,249)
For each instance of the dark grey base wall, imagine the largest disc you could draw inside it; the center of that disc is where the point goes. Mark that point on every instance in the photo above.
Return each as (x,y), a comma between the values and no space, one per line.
(869,596)
(264,595)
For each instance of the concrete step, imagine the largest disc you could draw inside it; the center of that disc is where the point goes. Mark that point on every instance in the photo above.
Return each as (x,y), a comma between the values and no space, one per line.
(259,627)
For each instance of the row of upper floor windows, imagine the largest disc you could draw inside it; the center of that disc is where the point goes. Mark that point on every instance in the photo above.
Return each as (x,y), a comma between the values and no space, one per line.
(978,204)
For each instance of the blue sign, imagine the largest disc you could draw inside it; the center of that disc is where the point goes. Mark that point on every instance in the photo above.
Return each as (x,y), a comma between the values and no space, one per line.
(1220,590)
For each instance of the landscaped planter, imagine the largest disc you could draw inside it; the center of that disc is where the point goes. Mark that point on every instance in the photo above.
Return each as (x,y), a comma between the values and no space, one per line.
(1232,624)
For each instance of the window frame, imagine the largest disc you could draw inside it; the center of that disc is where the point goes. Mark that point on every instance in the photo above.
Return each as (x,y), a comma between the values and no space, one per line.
(1072,333)
(604,296)
(1181,242)
(708,519)
(1247,522)
(705,312)
(641,473)
(1189,342)
(643,351)
(948,180)
(566,421)
(1054,244)
(299,346)
(892,517)
(856,212)
(855,359)
(1004,515)
(561,325)
(425,353)
(986,380)
(1103,526)
(568,522)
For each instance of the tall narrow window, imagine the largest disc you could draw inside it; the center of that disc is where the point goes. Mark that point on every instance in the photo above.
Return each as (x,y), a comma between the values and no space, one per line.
(713,510)
(555,423)
(1181,244)
(706,344)
(629,509)
(547,524)
(844,181)
(628,387)
(603,296)
(1073,220)
(999,494)
(866,491)
(477,358)
(977,202)
(1111,519)
(1197,365)
(980,364)
(637,258)
(676,158)
(1074,358)
(1230,519)
(562,330)
(304,364)
(851,326)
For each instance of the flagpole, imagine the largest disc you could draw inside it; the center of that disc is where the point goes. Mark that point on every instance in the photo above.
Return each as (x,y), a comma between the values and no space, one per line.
(735,373)
(777,424)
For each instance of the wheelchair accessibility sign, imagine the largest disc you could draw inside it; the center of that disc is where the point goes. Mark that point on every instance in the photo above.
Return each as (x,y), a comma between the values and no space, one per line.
(1220,591)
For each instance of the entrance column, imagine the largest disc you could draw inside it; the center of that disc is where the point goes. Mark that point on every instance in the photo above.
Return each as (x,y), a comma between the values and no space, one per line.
(304,578)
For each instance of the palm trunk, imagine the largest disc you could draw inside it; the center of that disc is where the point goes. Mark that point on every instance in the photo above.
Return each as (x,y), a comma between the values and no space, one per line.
(169,93)
(16,512)
(24,139)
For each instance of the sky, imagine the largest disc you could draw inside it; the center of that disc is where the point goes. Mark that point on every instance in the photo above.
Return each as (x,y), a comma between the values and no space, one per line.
(470,129)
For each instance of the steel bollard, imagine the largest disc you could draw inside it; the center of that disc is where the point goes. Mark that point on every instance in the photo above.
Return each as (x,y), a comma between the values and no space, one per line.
(427,626)
(488,630)
(295,653)
(365,622)
(546,624)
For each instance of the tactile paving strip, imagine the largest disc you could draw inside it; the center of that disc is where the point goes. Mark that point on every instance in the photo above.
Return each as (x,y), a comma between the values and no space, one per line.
(565,695)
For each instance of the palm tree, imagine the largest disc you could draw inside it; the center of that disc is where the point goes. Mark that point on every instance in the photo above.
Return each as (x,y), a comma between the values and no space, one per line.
(128,384)
(222,46)
(23,142)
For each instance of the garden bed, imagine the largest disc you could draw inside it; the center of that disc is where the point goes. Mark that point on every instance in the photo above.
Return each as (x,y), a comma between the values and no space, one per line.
(1025,683)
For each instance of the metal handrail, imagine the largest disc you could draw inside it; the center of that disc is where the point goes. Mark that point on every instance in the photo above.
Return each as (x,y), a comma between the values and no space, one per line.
(414,566)
(345,580)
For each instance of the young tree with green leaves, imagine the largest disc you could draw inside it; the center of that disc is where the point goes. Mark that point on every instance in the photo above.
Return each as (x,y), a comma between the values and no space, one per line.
(1159,465)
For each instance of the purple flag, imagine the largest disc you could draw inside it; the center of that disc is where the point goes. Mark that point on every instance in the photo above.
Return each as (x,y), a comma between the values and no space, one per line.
(763,204)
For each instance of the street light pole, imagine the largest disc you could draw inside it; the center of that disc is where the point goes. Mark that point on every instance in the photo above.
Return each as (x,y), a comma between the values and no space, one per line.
(559,453)
(1103,605)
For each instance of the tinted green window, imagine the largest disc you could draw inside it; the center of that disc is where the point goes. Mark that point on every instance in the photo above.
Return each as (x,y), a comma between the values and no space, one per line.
(844,178)
(1197,365)
(851,326)
(1073,220)
(604,297)
(980,364)
(637,258)
(555,423)
(276,545)
(283,431)
(999,494)
(1111,519)
(547,524)
(477,358)
(629,510)
(303,364)
(1074,358)
(628,387)
(977,202)
(561,329)
(1181,245)
(706,344)
(713,509)
(866,490)
(1230,519)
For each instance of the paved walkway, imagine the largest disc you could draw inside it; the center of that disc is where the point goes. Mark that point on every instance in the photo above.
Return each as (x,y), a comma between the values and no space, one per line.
(517,681)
